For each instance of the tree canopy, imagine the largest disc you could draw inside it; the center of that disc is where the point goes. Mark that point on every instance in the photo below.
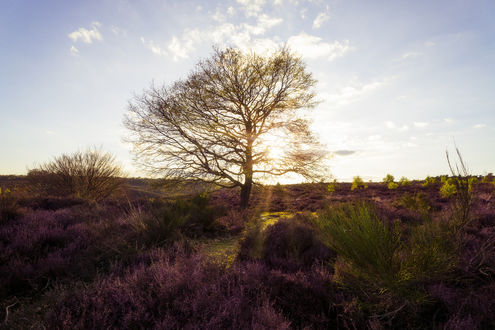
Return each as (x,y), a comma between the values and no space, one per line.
(214,125)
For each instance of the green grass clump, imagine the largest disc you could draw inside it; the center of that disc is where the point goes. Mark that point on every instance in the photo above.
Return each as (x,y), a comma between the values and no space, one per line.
(357,182)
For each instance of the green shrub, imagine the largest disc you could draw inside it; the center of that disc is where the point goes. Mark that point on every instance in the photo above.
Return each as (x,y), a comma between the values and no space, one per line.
(417,202)
(357,182)
(392,185)
(448,188)
(404,181)
(374,258)
(369,247)
(430,253)
(389,178)
(332,186)
(429,181)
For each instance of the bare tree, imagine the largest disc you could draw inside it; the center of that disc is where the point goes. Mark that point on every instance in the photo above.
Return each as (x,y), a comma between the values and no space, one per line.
(213,126)
(91,175)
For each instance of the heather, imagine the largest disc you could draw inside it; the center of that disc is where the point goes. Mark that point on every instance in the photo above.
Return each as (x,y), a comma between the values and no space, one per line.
(301,256)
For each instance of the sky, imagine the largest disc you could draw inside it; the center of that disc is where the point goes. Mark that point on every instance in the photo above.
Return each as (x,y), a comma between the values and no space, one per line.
(399,82)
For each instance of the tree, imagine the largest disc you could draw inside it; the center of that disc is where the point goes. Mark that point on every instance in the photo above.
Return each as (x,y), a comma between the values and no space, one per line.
(214,125)
(91,175)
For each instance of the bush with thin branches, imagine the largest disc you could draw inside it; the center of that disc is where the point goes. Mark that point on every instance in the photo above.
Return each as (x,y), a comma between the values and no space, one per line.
(92,175)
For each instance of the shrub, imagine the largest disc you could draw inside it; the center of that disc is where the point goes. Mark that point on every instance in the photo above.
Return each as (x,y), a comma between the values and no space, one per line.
(374,259)
(357,182)
(392,185)
(91,175)
(9,208)
(417,202)
(404,181)
(292,244)
(429,181)
(367,247)
(332,186)
(389,178)
(463,186)
(448,188)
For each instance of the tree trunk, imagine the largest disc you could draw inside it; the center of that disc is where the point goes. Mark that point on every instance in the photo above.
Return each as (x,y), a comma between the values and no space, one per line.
(246,192)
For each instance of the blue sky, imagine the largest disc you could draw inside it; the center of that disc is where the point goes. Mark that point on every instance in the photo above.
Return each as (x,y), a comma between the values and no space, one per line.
(398,80)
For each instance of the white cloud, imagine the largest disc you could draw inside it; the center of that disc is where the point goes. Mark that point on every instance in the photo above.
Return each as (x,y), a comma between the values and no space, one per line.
(353,91)
(266,22)
(313,47)
(303,13)
(479,126)
(320,19)
(87,36)
(409,56)
(429,44)
(392,125)
(277,2)
(180,49)
(251,7)
(231,11)
(421,124)
(218,16)
(156,49)
(448,120)
(74,51)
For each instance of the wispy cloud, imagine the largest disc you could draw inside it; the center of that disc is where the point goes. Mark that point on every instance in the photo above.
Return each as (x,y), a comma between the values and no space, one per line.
(155,49)
(314,47)
(479,126)
(353,91)
(401,128)
(344,152)
(74,51)
(421,124)
(85,35)
(251,7)
(320,19)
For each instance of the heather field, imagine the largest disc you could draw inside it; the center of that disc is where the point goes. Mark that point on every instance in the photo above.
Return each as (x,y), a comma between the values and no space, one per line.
(314,256)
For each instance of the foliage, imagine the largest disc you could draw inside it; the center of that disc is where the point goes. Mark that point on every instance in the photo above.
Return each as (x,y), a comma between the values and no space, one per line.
(91,175)
(429,181)
(332,186)
(418,202)
(374,256)
(214,125)
(368,245)
(404,181)
(389,178)
(357,182)
(392,185)
(9,208)
(448,188)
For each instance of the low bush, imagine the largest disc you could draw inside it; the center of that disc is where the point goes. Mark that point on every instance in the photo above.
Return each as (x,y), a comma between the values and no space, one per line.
(375,260)
(357,182)
(429,181)
(9,207)
(91,175)
(392,185)
(291,244)
(389,178)
(404,181)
